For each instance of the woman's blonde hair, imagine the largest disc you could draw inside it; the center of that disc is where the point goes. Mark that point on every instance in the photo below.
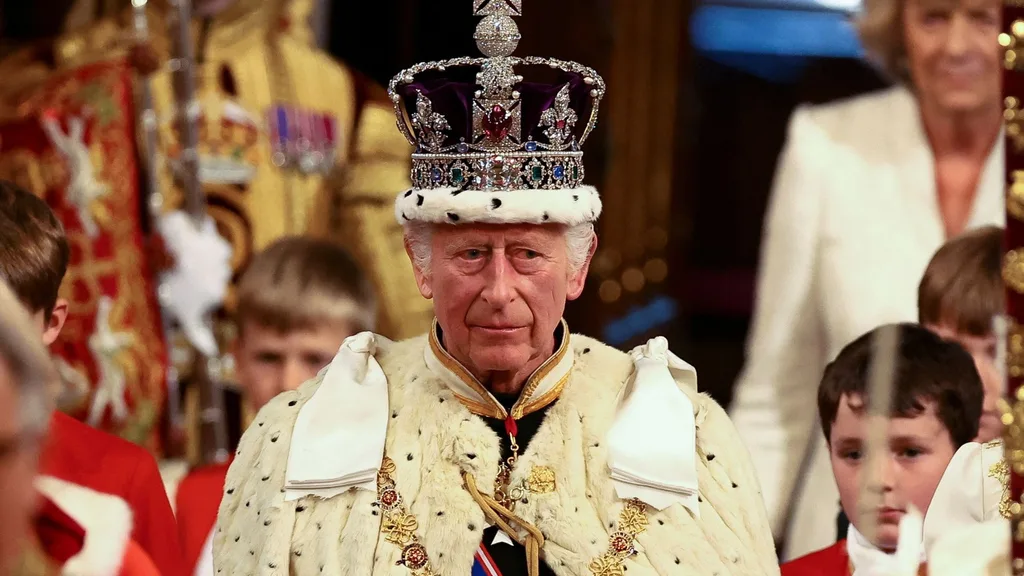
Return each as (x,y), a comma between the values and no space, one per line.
(880,27)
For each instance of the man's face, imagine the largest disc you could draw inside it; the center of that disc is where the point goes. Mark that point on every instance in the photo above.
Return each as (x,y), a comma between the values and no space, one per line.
(499,293)
(918,451)
(271,362)
(17,469)
(983,350)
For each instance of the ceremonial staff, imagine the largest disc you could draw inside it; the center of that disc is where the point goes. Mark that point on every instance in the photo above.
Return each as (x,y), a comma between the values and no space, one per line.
(213,435)
(881,400)
(147,122)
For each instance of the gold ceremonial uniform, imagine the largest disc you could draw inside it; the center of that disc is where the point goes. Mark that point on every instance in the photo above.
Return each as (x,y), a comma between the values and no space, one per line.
(256,61)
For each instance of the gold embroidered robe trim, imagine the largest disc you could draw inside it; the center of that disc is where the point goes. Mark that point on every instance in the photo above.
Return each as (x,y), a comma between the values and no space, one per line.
(541,389)
(621,544)
(399,526)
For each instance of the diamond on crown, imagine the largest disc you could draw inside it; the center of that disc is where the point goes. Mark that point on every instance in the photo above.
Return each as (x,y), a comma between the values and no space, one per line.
(497,35)
(560,120)
(498,172)
(430,125)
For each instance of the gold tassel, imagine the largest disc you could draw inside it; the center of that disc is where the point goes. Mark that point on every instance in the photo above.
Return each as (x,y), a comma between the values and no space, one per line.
(498,514)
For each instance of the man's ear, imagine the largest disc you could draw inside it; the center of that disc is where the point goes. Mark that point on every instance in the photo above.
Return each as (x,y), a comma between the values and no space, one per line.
(56,322)
(422,278)
(578,278)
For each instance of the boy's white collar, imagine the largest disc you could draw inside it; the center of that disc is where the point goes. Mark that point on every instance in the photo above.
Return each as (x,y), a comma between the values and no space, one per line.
(868,560)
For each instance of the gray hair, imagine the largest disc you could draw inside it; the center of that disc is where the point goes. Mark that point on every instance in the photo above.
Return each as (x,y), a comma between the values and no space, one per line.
(578,241)
(28,362)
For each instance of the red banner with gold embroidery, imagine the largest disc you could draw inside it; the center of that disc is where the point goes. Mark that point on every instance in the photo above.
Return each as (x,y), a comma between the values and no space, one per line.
(74,145)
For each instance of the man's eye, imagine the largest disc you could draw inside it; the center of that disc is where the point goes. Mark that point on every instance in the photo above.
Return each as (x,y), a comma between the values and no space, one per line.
(473,254)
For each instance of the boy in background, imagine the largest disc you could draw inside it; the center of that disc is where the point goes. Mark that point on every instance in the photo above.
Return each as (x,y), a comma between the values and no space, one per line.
(298,300)
(959,295)
(936,408)
(34,257)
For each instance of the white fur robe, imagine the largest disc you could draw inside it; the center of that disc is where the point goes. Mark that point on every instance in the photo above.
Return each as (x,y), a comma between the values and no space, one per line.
(432,438)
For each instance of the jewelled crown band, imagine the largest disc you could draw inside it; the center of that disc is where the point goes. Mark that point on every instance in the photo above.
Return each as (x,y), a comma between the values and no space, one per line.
(500,123)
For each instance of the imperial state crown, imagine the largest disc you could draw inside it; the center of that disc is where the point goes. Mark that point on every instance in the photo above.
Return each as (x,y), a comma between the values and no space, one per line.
(497,139)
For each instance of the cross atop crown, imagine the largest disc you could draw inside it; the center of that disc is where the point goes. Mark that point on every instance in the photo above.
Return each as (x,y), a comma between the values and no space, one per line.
(494,7)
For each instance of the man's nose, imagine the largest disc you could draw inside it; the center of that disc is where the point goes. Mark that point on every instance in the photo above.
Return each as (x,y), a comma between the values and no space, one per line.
(499,291)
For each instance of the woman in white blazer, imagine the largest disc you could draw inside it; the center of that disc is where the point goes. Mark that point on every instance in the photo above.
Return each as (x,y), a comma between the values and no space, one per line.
(865,192)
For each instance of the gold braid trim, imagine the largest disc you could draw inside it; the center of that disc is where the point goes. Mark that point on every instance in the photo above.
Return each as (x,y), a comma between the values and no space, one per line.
(1001,471)
(498,514)
(398,525)
(622,544)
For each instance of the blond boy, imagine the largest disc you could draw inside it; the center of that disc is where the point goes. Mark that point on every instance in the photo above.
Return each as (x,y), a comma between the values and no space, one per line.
(298,300)
(959,295)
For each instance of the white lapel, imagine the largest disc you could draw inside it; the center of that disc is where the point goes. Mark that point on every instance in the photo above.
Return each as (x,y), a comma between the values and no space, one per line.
(915,165)
(917,173)
(989,204)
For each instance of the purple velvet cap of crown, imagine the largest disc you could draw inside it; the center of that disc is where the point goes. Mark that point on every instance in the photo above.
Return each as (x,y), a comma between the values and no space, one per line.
(451,94)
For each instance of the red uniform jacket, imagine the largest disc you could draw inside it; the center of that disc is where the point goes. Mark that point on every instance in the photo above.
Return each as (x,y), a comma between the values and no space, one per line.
(198,499)
(82,455)
(831,561)
(69,513)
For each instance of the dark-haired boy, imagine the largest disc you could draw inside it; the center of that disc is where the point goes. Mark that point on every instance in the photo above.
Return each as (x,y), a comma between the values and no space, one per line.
(34,255)
(937,403)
